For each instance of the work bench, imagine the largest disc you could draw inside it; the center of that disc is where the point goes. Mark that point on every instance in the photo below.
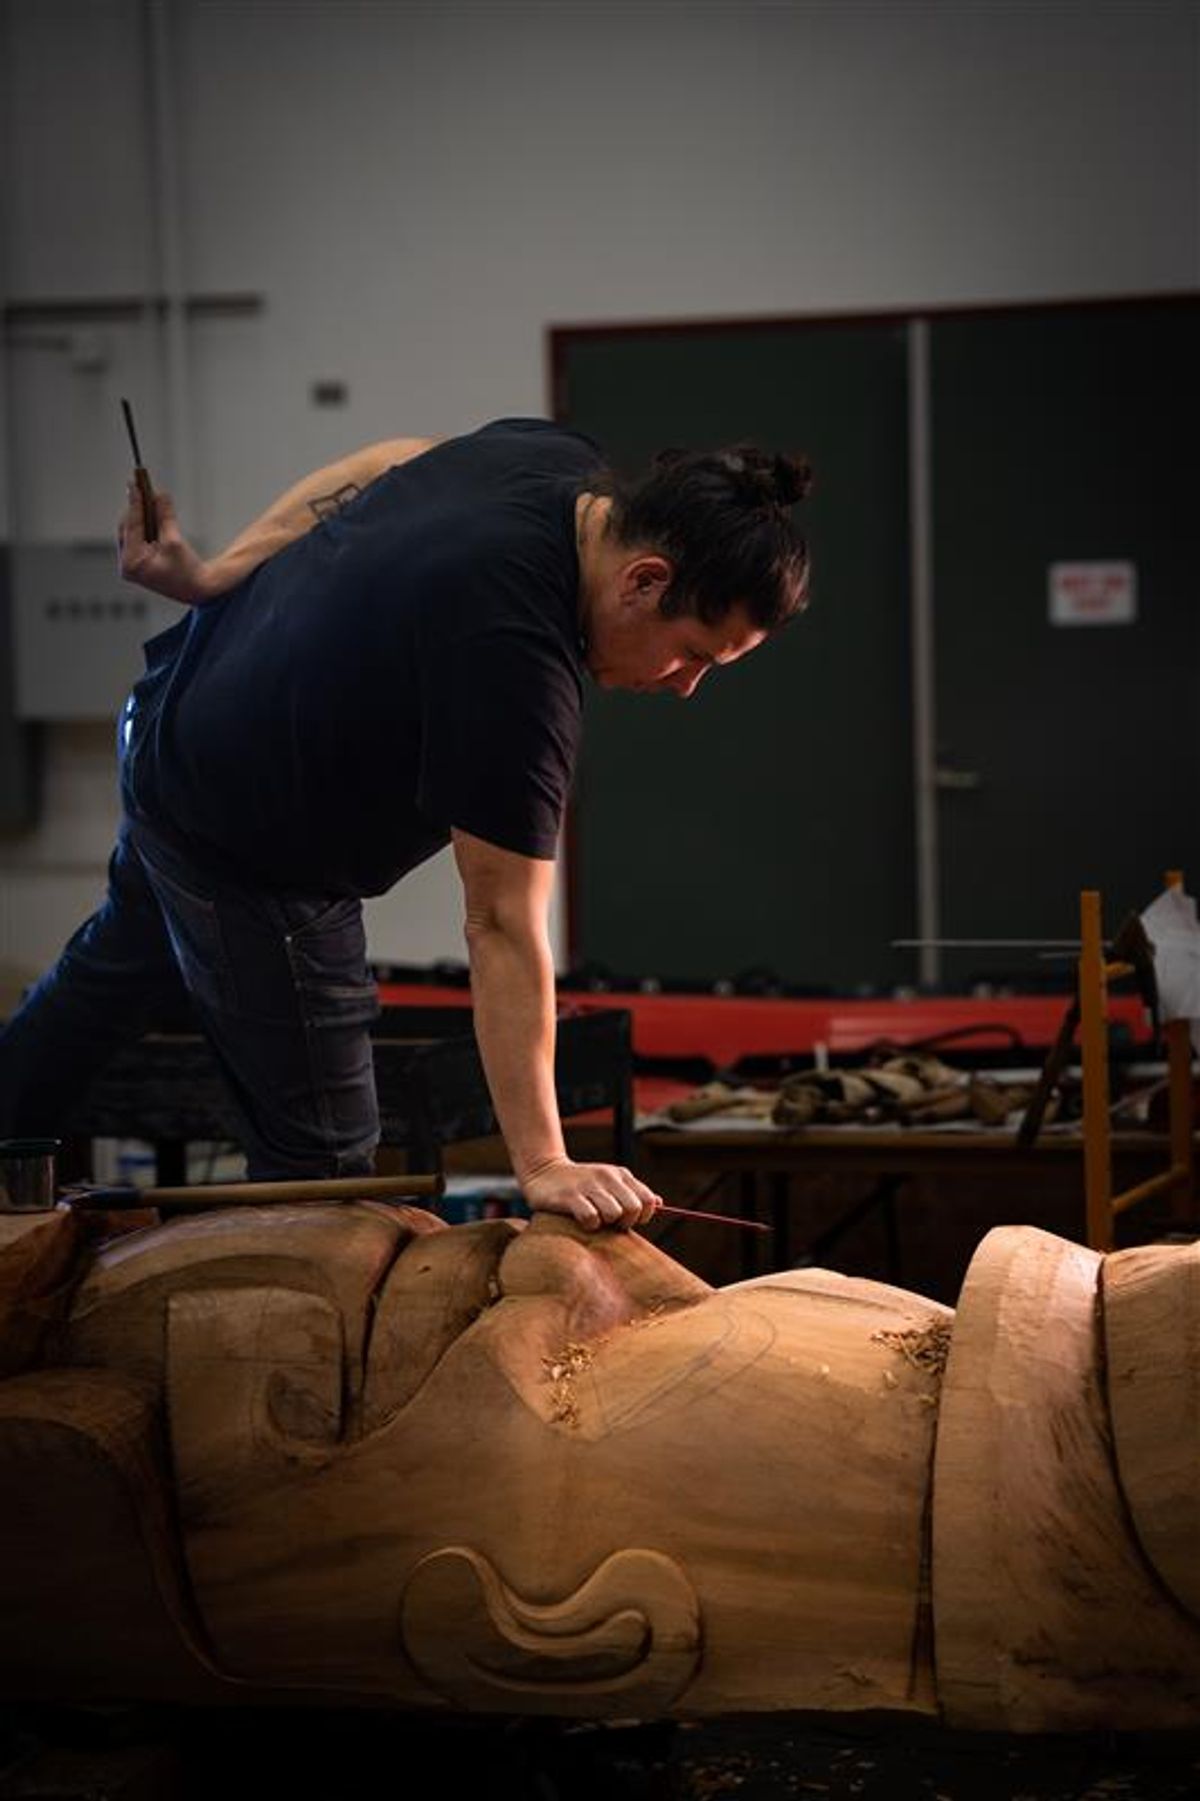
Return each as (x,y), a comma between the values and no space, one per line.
(907,1205)
(168,1089)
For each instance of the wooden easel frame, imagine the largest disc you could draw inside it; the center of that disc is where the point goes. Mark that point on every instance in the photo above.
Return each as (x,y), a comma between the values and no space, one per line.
(1094,977)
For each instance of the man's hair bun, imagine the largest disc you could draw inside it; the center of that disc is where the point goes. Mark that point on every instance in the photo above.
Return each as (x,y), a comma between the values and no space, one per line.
(724,519)
(793,479)
(767,478)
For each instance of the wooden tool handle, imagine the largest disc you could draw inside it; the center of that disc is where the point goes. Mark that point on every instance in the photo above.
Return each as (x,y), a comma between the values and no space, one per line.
(149,510)
(258,1194)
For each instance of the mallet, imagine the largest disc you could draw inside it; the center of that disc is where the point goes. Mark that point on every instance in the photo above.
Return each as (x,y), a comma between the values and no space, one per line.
(197,1196)
(257,1194)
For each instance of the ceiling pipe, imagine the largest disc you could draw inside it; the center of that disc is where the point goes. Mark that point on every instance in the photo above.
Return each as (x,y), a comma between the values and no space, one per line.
(166,185)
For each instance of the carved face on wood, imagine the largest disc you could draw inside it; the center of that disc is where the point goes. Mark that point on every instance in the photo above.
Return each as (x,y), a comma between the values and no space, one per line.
(528,1469)
(495,1468)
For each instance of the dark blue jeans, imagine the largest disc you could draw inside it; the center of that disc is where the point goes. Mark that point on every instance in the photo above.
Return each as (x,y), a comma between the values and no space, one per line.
(279,982)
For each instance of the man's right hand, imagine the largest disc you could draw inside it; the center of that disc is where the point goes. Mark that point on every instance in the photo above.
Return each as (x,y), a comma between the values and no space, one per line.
(594,1194)
(167,565)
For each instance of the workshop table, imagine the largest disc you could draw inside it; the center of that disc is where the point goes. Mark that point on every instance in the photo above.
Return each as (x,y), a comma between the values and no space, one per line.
(1041,1184)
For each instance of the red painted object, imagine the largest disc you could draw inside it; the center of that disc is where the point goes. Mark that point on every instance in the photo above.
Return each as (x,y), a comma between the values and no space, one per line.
(726,1029)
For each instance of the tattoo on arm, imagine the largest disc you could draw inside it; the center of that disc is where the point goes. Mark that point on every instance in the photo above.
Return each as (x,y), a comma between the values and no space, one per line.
(324,506)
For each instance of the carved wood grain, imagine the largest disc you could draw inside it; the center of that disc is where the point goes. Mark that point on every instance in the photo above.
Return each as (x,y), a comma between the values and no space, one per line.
(1152,1333)
(1047,1615)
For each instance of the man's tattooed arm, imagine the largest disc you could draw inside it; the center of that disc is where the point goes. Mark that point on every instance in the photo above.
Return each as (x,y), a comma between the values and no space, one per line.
(324,506)
(319,496)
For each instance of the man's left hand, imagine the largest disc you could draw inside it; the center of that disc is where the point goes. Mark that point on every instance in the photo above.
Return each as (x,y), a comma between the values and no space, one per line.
(167,564)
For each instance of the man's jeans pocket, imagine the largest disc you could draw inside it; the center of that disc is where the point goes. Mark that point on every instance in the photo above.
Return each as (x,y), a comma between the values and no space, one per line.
(194,928)
(327,949)
(282,988)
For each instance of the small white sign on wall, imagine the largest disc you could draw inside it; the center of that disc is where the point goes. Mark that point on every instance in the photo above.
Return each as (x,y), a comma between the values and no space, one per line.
(1093,593)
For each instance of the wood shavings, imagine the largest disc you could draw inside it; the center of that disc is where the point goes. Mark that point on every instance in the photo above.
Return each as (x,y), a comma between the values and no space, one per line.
(926,1348)
(561,1372)
(655,1311)
(719,1778)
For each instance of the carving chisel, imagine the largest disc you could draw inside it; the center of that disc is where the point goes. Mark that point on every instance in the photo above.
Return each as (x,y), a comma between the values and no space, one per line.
(142,477)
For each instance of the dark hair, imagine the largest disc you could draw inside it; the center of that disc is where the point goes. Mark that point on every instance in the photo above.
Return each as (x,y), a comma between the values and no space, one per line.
(722,517)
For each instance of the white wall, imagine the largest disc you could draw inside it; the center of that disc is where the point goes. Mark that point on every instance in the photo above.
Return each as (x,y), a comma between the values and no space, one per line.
(418,190)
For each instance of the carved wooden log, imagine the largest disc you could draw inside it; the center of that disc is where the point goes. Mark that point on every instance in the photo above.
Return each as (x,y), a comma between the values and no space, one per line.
(1152,1338)
(1049,1616)
(489,1468)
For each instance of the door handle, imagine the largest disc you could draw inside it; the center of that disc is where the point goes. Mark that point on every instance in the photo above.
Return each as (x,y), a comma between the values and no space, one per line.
(957,781)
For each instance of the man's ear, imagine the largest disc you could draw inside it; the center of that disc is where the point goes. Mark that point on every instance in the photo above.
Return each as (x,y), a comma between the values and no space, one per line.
(646,578)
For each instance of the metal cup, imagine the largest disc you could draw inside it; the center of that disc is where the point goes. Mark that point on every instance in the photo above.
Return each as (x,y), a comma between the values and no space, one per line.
(27,1174)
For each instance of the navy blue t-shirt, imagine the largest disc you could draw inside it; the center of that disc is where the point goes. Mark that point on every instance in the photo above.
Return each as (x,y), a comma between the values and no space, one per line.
(411,664)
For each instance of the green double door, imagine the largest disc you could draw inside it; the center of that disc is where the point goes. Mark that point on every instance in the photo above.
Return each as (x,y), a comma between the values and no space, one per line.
(771,823)
(1064,442)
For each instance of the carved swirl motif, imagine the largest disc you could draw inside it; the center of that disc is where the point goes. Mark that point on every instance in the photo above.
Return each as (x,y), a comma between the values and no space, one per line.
(630,1631)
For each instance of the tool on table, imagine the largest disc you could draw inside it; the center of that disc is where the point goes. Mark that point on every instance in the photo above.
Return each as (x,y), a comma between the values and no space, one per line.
(986,944)
(142,477)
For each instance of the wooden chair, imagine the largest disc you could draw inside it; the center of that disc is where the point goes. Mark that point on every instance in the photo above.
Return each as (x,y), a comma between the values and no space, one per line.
(1095,974)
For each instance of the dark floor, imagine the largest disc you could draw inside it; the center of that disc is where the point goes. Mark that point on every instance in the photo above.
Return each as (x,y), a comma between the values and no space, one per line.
(119,1754)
